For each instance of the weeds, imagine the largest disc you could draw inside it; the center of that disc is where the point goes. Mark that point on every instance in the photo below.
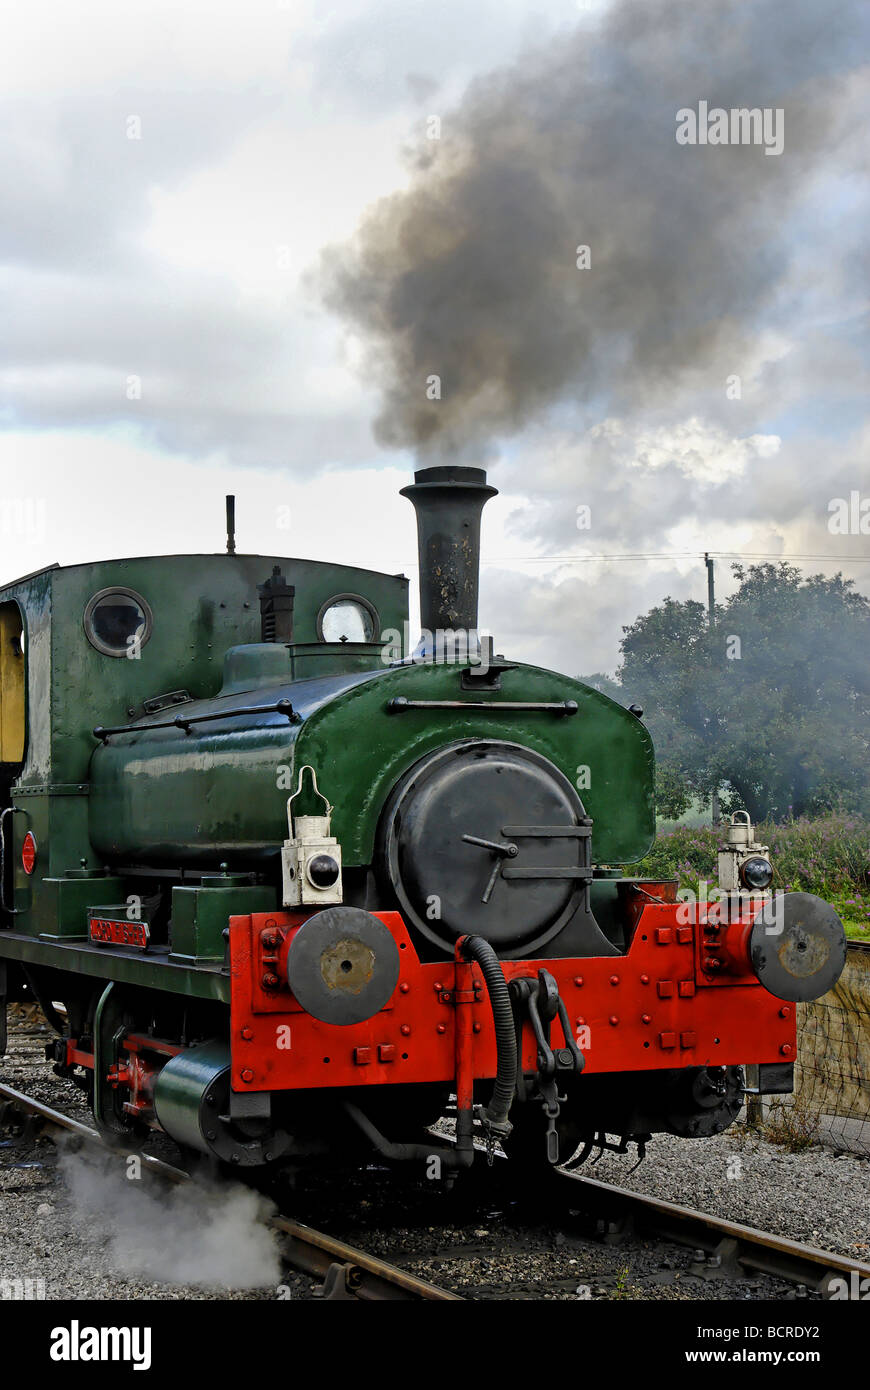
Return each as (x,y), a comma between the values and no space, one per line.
(794,1127)
(621,1288)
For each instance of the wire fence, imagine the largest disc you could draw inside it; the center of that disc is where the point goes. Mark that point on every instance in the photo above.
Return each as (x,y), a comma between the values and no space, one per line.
(831,1101)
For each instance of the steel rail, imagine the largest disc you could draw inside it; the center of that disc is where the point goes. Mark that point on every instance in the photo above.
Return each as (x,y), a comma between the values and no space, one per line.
(729,1242)
(732,1245)
(352,1273)
(365,1276)
(349,1273)
(56,1120)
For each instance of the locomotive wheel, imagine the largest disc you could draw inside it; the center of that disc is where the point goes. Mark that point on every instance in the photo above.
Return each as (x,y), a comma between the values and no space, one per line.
(705,1101)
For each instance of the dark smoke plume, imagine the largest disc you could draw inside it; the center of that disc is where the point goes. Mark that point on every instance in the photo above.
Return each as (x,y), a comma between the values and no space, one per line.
(470,274)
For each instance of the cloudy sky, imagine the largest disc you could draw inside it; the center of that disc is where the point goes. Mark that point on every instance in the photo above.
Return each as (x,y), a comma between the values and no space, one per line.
(233,254)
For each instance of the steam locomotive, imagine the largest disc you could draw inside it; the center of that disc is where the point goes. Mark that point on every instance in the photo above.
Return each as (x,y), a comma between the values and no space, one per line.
(283,890)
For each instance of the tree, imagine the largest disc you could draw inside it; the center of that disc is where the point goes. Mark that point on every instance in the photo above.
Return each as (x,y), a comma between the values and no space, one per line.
(771,701)
(673,792)
(606,684)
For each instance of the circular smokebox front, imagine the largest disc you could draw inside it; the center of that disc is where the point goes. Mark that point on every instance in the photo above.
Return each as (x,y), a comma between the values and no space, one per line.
(465,841)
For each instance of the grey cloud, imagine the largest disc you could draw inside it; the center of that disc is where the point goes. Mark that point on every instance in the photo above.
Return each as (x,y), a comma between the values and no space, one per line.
(389,52)
(633,507)
(574,626)
(212,375)
(77,188)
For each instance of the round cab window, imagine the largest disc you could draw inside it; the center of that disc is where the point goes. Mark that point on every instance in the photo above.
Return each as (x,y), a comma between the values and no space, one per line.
(118,622)
(347,618)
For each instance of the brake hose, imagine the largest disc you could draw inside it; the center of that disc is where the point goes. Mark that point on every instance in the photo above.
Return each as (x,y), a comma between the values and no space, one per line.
(496,1113)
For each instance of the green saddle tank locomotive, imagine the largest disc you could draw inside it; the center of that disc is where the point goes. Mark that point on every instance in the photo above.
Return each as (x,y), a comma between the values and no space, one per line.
(282,890)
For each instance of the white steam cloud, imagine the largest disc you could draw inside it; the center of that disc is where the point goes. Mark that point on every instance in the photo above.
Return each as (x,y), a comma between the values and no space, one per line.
(208,1237)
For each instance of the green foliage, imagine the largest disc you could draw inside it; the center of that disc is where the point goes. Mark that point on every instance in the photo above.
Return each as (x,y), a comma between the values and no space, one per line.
(621,1289)
(606,684)
(783,726)
(828,856)
(685,853)
(673,794)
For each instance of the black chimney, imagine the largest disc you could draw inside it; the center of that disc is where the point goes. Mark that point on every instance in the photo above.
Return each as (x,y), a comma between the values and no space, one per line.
(448,501)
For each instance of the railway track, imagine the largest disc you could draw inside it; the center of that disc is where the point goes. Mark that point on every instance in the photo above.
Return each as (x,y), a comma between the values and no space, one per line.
(723,1247)
(612,1215)
(348,1273)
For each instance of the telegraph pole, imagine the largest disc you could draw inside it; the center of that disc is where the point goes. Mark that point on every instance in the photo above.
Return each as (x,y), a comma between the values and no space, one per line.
(711,617)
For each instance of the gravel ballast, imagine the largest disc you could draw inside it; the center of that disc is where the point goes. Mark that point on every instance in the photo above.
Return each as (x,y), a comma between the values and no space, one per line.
(79,1227)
